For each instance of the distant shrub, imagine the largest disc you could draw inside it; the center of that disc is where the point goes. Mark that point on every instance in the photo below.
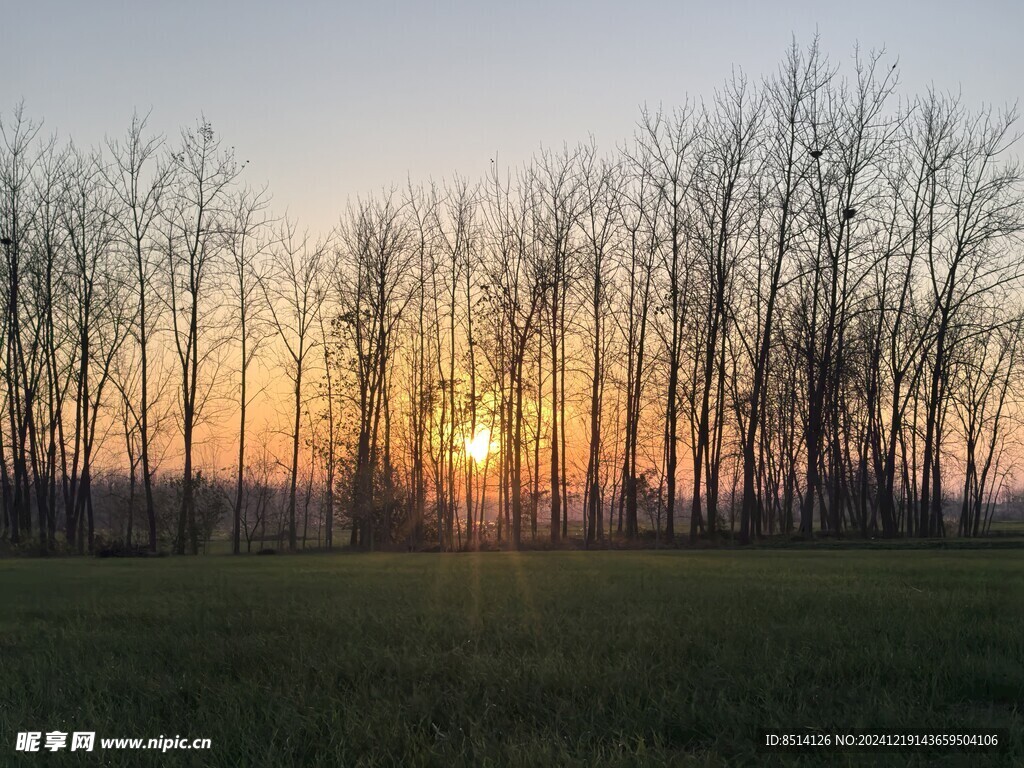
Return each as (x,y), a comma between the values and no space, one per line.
(119,548)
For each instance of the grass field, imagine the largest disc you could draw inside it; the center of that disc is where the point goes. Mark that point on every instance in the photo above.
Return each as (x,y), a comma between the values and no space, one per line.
(504,659)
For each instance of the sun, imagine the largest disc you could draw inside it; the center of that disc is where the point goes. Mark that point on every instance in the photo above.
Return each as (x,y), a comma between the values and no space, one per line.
(478,448)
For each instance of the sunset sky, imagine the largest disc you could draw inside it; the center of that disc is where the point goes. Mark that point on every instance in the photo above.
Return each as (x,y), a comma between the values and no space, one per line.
(332,99)
(665,358)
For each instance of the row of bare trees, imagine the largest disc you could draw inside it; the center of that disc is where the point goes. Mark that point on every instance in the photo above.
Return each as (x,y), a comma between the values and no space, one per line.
(793,307)
(140,282)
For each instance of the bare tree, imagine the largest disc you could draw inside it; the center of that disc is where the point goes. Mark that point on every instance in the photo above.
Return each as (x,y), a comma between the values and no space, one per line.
(557,210)
(373,294)
(664,148)
(138,175)
(195,225)
(600,220)
(295,288)
(247,242)
(518,279)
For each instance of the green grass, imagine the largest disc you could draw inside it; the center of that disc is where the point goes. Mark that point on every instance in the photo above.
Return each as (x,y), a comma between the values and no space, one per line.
(1008,527)
(504,659)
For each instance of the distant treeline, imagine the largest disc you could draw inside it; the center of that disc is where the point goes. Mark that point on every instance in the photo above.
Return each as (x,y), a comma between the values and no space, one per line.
(792,307)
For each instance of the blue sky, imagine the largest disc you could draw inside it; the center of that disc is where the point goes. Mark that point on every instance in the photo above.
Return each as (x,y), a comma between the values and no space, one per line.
(331,99)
